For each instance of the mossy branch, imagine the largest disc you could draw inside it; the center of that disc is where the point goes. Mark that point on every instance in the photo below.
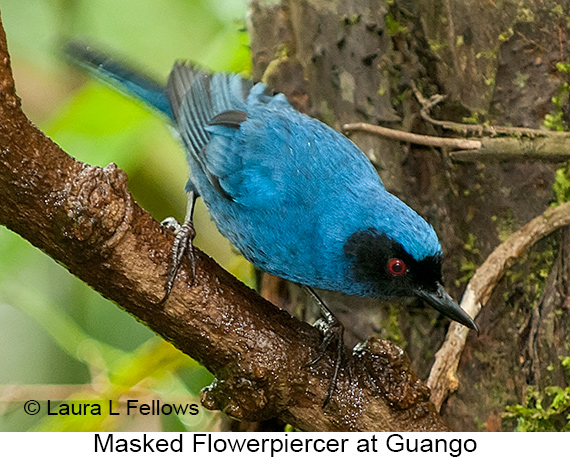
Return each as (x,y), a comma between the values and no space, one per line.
(553,148)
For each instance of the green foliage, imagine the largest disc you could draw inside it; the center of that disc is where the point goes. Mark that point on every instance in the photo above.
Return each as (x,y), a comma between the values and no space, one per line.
(472,119)
(394,27)
(392,330)
(521,80)
(561,186)
(543,411)
(506,36)
(55,330)
(554,120)
(564,67)
(506,224)
(468,266)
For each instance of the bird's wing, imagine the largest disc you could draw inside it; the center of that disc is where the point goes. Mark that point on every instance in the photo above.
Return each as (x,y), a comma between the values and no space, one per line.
(254,148)
(197,99)
(279,156)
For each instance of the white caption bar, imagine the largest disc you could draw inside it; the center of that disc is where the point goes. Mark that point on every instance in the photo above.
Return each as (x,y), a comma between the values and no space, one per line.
(285,444)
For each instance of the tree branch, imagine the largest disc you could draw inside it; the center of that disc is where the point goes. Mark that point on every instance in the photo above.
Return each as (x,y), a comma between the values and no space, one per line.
(554,148)
(524,143)
(443,376)
(85,218)
(547,148)
(425,140)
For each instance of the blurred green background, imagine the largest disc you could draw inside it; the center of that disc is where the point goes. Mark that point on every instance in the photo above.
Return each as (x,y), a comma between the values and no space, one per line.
(60,340)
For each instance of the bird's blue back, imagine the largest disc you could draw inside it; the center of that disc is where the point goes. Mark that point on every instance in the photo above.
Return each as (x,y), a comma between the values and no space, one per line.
(293,190)
(285,189)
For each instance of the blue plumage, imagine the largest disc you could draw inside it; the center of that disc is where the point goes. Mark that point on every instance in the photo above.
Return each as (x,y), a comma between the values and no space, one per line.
(298,199)
(298,191)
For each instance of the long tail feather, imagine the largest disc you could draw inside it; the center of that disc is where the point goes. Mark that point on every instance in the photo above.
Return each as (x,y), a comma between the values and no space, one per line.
(120,76)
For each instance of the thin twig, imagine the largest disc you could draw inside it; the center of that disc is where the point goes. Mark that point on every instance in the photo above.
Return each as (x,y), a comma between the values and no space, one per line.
(399,135)
(443,376)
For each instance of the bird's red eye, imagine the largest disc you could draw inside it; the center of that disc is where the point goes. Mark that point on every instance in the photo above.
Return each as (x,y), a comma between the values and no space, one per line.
(396,267)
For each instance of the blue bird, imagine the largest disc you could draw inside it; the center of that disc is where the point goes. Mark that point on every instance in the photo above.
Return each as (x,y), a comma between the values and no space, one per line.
(298,199)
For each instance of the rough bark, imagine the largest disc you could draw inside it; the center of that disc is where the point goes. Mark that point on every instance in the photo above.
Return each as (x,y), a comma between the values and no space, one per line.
(85,218)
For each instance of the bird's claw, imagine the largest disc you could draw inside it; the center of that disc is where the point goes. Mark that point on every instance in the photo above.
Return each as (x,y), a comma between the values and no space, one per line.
(333,334)
(170,223)
(183,245)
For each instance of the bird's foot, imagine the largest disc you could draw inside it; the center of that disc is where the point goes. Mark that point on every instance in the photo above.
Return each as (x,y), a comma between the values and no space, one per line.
(171,224)
(333,335)
(183,245)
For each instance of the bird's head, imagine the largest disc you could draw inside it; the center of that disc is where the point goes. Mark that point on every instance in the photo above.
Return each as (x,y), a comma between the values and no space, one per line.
(386,268)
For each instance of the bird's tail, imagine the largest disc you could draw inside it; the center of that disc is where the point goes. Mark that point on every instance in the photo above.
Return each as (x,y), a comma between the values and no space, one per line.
(120,76)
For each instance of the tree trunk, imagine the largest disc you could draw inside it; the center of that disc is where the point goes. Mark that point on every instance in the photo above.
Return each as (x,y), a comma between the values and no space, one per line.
(359,61)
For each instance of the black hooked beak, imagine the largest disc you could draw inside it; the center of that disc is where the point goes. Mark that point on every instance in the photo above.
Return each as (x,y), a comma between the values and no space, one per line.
(441,301)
